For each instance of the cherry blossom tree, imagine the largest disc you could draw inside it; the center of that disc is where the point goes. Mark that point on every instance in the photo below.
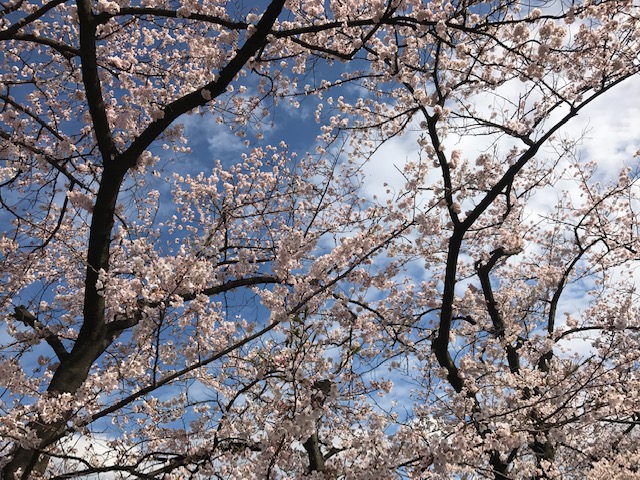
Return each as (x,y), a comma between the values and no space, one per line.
(241,319)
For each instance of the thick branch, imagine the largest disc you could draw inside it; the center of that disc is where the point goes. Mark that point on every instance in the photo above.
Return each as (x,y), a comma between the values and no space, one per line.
(65,50)
(13,29)
(104,17)
(25,316)
(484,271)
(529,153)
(211,90)
(91,81)
(233,284)
(316,459)
(122,324)
(441,342)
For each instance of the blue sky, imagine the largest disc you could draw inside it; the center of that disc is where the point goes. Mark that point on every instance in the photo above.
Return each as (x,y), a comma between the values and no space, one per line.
(609,126)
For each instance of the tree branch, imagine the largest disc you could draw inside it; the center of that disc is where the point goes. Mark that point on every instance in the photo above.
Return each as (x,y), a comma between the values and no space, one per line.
(91,81)
(25,316)
(484,271)
(209,91)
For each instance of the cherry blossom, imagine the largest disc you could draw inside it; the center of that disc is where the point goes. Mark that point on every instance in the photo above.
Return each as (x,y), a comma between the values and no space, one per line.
(260,314)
